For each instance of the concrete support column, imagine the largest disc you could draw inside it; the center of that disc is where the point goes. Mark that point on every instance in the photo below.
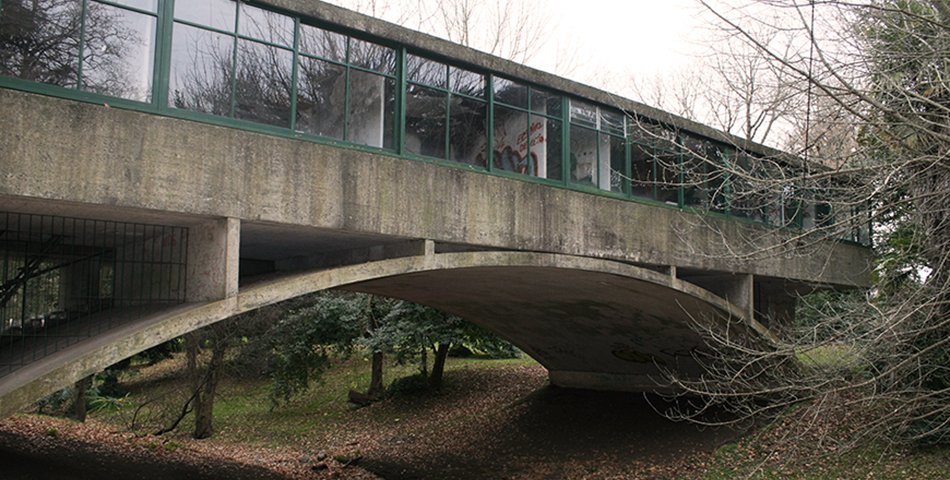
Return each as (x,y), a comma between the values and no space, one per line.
(741,293)
(213,260)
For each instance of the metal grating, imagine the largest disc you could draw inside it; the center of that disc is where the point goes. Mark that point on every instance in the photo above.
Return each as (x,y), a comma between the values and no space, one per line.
(63,280)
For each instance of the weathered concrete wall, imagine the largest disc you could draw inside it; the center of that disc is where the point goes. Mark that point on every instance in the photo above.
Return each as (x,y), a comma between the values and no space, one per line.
(64,150)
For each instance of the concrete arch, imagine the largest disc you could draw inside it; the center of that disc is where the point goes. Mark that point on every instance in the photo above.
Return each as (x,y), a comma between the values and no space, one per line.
(439,280)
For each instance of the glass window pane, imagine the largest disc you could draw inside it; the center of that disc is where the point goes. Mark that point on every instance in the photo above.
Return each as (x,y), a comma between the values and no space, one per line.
(39,41)
(265,25)
(371,108)
(545,102)
(583,113)
(426,121)
(693,145)
(220,14)
(322,43)
(612,122)
(147,5)
(618,164)
(262,85)
(321,98)
(584,156)
(653,135)
(510,93)
(694,182)
(716,186)
(511,142)
(372,56)
(119,52)
(641,175)
(745,201)
(425,71)
(467,83)
(468,131)
(201,70)
(552,146)
(668,184)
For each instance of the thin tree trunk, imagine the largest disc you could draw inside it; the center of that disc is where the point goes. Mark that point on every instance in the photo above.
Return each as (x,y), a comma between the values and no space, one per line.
(425,363)
(376,384)
(79,400)
(204,408)
(438,367)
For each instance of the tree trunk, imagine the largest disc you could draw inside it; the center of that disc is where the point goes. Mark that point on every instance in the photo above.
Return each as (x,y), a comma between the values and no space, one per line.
(425,363)
(79,400)
(438,366)
(204,401)
(376,384)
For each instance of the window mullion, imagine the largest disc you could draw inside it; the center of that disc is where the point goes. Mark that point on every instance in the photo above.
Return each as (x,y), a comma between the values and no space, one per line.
(163,49)
(565,140)
(234,58)
(293,76)
(400,113)
(490,134)
(82,43)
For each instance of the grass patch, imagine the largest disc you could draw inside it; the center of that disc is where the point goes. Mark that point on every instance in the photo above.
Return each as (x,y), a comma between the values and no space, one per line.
(244,413)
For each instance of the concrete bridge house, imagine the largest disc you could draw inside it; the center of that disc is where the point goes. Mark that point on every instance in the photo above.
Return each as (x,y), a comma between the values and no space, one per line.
(167,164)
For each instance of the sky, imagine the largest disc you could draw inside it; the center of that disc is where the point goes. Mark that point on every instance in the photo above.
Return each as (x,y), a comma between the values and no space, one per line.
(641,36)
(617,38)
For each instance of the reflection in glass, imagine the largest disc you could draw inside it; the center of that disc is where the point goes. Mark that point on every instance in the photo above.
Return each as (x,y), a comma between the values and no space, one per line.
(583,113)
(668,184)
(321,98)
(468,131)
(618,168)
(545,102)
(716,186)
(322,43)
(745,201)
(510,93)
(147,5)
(425,121)
(511,152)
(220,14)
(201,70)
(612,122)
(552,147)
(466,82)
(425,71)
(371,109)
(694,182)
(39,41)
(118,52)
(583,156)
(372,56)
(262,84)
(265,25)
(641,174)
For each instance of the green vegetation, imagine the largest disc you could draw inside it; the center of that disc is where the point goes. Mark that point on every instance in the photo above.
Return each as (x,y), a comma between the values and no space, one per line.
(244,413)
(768,455)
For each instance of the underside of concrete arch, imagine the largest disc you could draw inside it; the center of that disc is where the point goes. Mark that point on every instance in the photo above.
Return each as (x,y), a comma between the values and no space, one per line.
(593,323)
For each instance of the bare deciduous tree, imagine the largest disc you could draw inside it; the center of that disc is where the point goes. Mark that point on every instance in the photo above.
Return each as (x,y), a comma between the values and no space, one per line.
(877,108)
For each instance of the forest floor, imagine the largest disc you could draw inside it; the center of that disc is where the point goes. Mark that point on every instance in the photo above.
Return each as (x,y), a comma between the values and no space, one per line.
(493,419)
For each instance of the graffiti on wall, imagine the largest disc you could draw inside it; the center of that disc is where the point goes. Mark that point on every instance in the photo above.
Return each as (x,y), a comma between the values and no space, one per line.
(511,146)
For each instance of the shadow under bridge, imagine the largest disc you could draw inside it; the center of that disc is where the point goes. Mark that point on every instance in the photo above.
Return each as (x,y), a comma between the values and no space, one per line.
(592,323)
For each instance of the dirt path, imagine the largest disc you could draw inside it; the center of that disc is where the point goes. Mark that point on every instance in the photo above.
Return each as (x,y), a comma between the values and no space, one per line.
(553,434)
(498,423)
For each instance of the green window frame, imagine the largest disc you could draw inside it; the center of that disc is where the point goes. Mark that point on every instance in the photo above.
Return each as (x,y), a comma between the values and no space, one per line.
(255,68)
(599,157)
